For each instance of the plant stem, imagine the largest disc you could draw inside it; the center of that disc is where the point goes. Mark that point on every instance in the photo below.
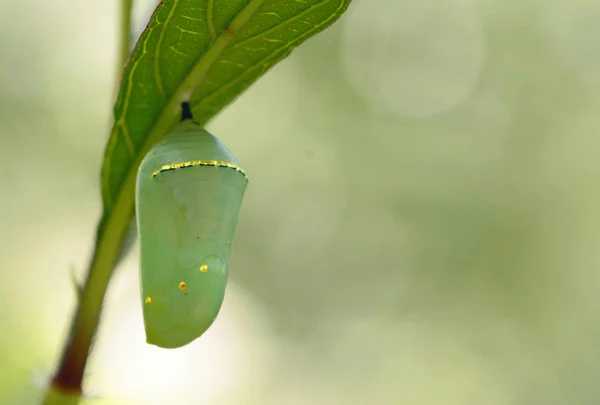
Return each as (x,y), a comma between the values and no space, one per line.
(69,376)
(66,387)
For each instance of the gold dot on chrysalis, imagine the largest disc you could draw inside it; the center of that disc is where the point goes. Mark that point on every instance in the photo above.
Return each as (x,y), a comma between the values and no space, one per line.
(204,268)
(223,270)
(148,300)
(182,285)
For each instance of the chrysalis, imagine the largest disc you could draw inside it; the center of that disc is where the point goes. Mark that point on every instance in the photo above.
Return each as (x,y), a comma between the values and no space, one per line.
(188,197)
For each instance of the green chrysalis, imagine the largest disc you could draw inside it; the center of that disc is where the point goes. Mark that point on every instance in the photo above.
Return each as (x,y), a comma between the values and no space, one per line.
(188,197)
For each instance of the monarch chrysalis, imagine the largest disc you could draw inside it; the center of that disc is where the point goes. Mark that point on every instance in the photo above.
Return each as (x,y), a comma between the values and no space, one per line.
(189,193)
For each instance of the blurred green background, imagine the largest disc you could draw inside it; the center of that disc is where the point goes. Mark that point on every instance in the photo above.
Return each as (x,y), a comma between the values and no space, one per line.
(421,226)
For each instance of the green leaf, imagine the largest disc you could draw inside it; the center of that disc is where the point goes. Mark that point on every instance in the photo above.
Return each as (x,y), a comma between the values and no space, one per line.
(207,51)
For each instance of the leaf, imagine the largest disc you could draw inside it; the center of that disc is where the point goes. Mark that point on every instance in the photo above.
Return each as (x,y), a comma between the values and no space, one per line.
(207,51)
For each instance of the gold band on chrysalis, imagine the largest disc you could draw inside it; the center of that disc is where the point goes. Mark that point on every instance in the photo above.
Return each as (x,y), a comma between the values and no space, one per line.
(197,163)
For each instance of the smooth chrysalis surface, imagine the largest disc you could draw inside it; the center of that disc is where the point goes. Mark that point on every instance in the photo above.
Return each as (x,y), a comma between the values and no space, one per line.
(188,197)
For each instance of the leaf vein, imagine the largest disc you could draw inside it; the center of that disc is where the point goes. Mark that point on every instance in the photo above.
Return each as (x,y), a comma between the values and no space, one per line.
(127,138)
(108,200)
(161,37)
(209,19)
(284,22)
